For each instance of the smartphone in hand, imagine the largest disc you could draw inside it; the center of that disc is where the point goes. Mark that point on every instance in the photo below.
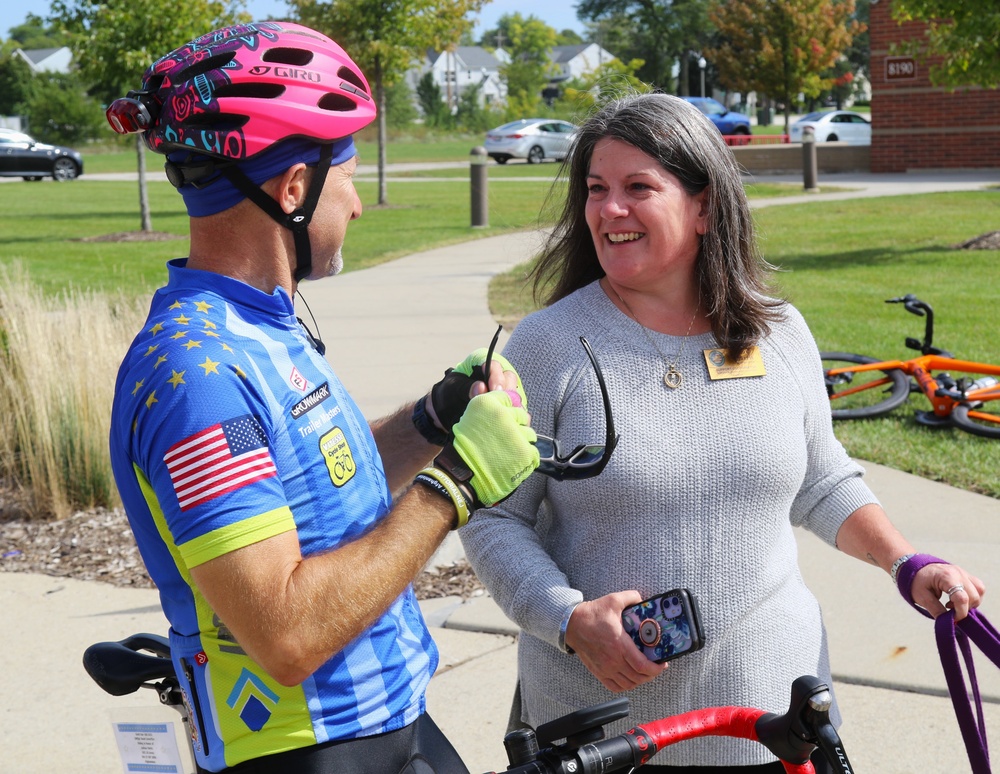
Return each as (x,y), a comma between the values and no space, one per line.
(664,627)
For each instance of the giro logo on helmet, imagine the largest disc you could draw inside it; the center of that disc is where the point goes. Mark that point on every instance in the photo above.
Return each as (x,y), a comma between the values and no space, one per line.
(288,72)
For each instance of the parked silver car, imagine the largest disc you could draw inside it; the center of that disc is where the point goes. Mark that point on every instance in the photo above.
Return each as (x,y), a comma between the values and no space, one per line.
(534,139)
(22,156)
(834,126)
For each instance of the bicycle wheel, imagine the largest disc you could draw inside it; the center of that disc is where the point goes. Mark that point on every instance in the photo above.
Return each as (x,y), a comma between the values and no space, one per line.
(979,418)
(862,394)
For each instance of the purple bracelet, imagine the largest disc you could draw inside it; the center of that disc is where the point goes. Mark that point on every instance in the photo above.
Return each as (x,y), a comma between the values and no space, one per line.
(906,573)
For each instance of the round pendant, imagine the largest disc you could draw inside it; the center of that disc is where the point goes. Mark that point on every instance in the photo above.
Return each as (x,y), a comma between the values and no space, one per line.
(672,378)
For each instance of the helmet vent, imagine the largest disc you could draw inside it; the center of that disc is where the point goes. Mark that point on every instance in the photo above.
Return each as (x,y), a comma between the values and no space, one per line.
(250,90)
(346,74)
(204,66)
(337,103)
(297,57)
(218,122)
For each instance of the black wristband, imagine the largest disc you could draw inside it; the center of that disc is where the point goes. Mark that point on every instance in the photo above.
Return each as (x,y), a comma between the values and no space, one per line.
(425,425)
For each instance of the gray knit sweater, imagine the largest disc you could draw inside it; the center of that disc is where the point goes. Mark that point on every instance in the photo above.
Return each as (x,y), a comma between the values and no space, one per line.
(702,492)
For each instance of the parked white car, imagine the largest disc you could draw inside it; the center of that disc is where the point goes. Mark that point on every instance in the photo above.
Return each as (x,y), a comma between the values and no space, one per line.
(533,139)
(834,126)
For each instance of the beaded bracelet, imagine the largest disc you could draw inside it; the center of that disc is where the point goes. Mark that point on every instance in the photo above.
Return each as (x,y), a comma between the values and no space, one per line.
(441,482)
(425,425)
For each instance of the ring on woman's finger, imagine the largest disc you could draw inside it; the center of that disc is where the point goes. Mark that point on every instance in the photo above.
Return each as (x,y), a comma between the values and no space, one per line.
(955,589)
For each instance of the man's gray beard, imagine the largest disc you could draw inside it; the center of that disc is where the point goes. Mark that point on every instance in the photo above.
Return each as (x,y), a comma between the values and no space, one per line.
(336,264)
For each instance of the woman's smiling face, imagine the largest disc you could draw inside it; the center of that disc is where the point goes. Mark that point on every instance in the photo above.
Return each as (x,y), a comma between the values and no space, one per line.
(645,226)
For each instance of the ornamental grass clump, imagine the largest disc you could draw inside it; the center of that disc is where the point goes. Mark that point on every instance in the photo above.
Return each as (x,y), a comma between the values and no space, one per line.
(58,359)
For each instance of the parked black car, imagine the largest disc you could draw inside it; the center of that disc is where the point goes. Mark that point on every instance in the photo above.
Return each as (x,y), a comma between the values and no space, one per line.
(22,156)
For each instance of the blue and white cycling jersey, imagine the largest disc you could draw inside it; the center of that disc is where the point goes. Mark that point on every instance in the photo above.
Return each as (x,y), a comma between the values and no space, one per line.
(229,428)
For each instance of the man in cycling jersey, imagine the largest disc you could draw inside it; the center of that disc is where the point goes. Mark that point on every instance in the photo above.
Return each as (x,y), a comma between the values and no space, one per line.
(280,528)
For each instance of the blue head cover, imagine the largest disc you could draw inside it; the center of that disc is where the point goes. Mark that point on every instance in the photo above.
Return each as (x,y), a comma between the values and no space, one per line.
(220,194)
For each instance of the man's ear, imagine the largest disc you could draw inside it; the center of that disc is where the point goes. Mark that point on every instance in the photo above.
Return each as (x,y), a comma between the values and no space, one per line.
(291,187)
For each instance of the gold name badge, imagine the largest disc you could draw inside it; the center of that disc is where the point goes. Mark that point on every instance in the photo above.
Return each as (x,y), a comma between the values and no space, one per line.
(722,366)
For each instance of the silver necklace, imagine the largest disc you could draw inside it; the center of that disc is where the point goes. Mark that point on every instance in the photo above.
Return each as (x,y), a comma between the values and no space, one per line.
(672,378)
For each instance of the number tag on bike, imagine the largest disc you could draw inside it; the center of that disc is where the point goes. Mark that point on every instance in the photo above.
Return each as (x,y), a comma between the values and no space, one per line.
(722,366)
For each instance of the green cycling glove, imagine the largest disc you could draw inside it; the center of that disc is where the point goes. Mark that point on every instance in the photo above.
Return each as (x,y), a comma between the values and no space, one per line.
(450,396)
(491,452)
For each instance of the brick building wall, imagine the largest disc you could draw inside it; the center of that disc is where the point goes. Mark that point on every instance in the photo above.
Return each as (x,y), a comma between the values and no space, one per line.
(919,126)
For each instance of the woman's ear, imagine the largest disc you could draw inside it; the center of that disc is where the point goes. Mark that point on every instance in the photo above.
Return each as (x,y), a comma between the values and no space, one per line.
(701,226)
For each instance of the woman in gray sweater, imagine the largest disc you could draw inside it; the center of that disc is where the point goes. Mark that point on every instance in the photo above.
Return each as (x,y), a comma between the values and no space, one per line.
(726,445)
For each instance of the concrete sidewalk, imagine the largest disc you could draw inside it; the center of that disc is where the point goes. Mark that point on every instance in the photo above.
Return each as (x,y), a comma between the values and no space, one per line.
(390,332)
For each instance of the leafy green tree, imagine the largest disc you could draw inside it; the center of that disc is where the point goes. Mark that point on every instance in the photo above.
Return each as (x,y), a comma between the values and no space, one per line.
(781,47)
(965,35)
(529,42)
(612,79)
(17,84)
(384,37)
(34,33)
(662,33)
(399,109)
(114,41)
(60,111)
(431,101)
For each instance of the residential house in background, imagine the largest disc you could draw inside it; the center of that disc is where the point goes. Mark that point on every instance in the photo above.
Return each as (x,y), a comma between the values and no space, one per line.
(578,60)
(47,60)
(464,67)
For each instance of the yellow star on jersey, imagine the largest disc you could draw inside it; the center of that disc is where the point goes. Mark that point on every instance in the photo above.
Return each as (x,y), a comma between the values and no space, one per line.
(226,346)
(138,386)
(151,350)
(182,320)
(159,360)
(210,366)
(191,344)
(179,335)
(213,334)
(156,328)
(202,306)
(176,305)
(151,399)
(239,372)
(176,378)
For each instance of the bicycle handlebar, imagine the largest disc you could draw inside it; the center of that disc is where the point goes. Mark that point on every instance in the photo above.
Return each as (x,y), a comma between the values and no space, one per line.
(791,737)
(121,668)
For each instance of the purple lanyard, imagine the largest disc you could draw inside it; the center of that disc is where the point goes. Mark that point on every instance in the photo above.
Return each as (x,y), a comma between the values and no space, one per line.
(952,638)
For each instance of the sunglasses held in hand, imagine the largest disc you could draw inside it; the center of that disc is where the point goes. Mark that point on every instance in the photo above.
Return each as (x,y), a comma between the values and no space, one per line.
(586,460)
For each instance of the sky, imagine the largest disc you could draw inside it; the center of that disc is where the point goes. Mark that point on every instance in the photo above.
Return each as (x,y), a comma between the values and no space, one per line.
(560,14)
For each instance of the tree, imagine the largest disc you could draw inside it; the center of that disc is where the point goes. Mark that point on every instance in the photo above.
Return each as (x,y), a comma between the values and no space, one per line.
(663,32)
(384,37)
(965,35)
(114,41)
(607,82)
(59,111)
(431,102)
(17,84)
(529,42)
(781,47)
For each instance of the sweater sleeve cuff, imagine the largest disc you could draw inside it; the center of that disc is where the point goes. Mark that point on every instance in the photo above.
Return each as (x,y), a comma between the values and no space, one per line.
(834,509)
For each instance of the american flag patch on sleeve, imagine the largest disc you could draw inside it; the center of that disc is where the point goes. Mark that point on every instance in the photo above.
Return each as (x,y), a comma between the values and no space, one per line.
(219,459)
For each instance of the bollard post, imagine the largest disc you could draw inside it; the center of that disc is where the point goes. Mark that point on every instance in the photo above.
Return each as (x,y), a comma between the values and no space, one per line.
(478,186)
(809,160)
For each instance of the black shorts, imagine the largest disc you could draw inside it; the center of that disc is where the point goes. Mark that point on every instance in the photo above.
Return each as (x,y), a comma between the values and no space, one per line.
(419,748)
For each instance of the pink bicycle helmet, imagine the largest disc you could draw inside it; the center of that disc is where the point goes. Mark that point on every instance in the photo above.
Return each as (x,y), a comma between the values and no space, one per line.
(237,91)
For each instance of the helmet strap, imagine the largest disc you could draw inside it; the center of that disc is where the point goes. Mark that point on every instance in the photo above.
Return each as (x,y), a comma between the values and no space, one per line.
(297,221)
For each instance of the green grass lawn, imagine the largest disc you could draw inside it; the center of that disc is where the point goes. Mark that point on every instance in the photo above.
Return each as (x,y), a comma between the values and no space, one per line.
(838,262)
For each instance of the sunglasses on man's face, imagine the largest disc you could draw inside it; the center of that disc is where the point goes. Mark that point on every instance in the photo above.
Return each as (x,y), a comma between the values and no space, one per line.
(586,460)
